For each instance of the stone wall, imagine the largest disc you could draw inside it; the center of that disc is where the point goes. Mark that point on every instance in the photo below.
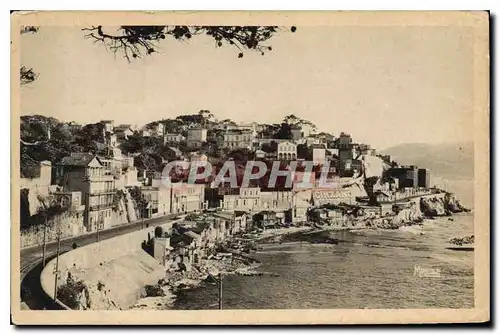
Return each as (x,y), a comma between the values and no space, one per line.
(71,224)
(118,263)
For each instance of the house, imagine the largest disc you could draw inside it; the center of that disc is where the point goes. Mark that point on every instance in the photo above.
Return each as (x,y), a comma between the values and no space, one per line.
(156,129)
(162,249)
(238,139)
(241,221)
(108,125)
(205,227)
(124,131)
(287,151)
(196,137)
(313,140)
(187,243)
(173,138)
(38,185)
(144,132)
(407,176)
(223,221)
(260,154)
(86,173)
(319,154)
(296,132)
(424,178)
(242,199)
(73,126)
(187,197)
(174,152)
(365,149)
(265,218)
(198,157)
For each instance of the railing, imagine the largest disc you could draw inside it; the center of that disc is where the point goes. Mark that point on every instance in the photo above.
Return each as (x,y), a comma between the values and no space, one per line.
(103,192)
(99,207)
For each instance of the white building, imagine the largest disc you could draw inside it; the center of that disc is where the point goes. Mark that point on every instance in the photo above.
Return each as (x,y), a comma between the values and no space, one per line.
(173,138)
(260,154)
(196,137)
(248,199)
(238,139)
(287,151)
(108,125)
(319,154)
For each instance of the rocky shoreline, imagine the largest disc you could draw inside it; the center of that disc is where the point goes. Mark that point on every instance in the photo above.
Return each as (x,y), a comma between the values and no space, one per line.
(164,294)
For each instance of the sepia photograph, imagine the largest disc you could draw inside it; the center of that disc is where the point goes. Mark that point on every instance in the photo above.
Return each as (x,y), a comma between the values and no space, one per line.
(250,167)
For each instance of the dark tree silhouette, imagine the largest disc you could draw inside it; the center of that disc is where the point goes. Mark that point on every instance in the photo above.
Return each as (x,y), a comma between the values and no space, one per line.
(28,75)
(136,41)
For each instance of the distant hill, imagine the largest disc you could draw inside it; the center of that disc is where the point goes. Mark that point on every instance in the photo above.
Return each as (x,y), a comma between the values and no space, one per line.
(449,160)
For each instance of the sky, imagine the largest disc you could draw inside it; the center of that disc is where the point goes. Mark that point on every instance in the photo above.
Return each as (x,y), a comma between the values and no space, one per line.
(383,85)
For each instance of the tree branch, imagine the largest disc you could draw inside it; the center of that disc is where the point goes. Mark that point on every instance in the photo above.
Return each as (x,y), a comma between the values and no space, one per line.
(136,41)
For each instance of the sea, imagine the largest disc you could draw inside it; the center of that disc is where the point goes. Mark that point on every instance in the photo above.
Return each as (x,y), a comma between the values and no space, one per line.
(405,268)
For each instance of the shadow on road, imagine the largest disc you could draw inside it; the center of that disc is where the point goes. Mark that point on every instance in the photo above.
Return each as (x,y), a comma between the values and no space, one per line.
(32,293)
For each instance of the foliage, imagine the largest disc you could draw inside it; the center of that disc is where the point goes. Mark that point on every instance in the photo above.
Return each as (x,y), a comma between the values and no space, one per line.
(304,152)
(158,231)
(69,292)
(269,147)
(137,41)
(27,74)
(138,198)
(462,240)
(284,132)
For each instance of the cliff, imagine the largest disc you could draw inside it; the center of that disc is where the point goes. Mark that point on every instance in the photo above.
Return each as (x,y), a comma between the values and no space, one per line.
(441,205)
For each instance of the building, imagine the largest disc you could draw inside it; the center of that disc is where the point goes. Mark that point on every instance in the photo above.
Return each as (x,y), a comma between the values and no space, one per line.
(277,200)
(198,157)
(175,152)
(242,199)
(173,138)
(108,125)
(424,178)
(196,137)
(86,173)
(260,154)
(365,149)
(162,249)
(319,154)
(238,139)
(331,196)
(187,197)
(124,131)
(39,185)
(73,126)
(407,176)
(296,132)
(156,129)
(287,151)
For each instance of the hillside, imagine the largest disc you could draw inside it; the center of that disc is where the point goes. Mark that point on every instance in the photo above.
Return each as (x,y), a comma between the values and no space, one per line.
(447,160)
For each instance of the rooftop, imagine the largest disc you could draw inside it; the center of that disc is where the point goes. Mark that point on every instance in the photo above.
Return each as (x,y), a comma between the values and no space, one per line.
(78,159)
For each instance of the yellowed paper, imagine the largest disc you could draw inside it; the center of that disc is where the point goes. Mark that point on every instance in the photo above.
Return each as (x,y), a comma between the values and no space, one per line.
(417,80)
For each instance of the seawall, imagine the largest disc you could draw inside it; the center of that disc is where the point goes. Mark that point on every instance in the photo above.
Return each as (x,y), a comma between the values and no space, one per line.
(113,270)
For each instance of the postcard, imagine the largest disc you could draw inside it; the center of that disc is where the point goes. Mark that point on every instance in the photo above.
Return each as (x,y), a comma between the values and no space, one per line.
(250,168)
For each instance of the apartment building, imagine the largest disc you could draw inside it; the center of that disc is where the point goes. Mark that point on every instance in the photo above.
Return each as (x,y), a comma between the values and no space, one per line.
(86,173)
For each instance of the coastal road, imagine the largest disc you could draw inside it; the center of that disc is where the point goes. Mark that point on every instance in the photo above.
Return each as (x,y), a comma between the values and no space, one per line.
(31,258)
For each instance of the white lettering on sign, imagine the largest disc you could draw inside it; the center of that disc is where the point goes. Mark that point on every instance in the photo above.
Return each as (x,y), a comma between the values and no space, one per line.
(331,194)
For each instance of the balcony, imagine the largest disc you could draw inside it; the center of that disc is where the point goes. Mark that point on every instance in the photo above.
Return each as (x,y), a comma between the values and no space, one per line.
(99,207)
(107,176)
(103,192)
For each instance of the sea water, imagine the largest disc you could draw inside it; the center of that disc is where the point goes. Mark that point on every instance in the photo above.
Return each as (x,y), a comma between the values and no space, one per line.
(404,268)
